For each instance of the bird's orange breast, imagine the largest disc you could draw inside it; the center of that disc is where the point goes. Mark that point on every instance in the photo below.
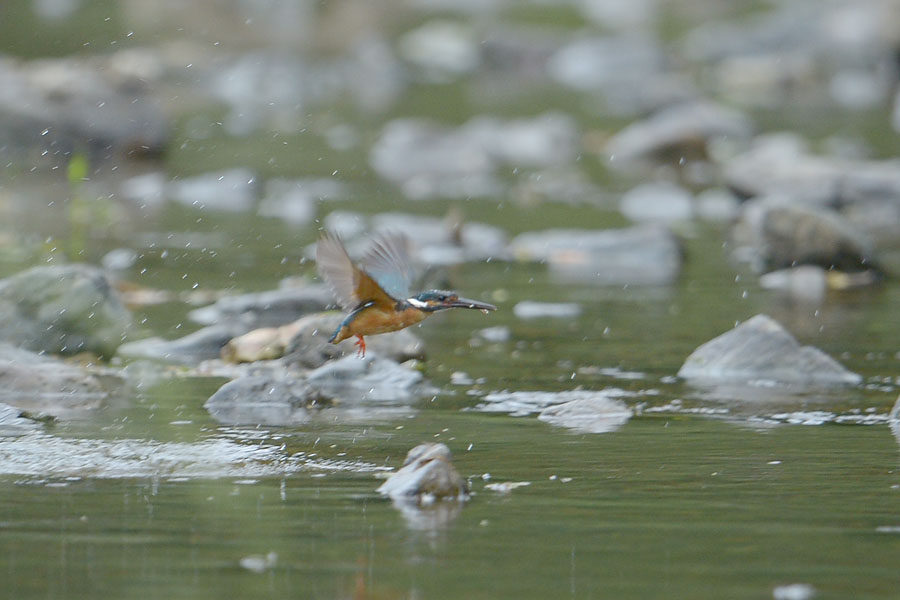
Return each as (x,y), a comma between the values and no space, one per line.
(375,319)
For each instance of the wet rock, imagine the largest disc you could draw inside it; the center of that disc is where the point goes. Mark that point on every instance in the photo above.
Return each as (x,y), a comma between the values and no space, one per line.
(234,190)
(759,349)
(13,423)
(204,344)
(588,415)
(428,160)
(805,283)
(641,255)
(266,309)
(63,309)
(307,343)
(717,205)
(780,234)
(369,379)
(541,310)
(266,343)
(77,104)
(523,403)
(657,201)
(146,191)
(262,400)
(495,335)
(40,384)
(681,131)
(427,474)
(894,420)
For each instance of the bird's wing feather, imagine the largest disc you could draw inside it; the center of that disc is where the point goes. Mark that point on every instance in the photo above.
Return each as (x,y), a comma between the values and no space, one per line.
(351,285)
(387,261)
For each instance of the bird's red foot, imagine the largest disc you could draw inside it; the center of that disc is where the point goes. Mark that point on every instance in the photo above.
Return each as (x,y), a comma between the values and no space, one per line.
(361,346)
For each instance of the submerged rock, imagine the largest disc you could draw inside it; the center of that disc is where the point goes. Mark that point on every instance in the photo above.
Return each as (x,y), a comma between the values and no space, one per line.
(426,474)
(63,309)
(641,255)
(598,414)
(760,350)
(44,385)
(262,400)
(523,403)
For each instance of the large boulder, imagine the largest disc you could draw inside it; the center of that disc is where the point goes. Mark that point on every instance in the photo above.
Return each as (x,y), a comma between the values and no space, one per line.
(760,350)
(63,309)
(204,344)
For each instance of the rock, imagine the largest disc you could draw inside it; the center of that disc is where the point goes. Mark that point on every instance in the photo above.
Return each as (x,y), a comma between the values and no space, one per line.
(294,200)
(77,104)
(427,160)
(865,192)
(495,335)
(641,255)
(781,234)
(266,343)
(519,404)
(681,131)
(894,420)
(234,190)
(717,205)
(369,379)
(806,283)
(266,309)
(443,50)
(12,421)
(308,344)
(657,201)
(262,400)
(761,350)
(146,191)
(204,344)
(426,474)
(588,415)
(527,309)
(44,385)
(63,309)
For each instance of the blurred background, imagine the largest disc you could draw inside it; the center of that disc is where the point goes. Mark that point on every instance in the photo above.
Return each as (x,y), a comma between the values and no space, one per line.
(625,179)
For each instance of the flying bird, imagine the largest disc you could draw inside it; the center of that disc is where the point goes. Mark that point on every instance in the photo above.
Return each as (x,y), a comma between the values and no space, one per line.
(376,292)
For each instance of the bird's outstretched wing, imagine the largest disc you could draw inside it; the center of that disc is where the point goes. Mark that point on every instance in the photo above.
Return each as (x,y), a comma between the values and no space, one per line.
(387,261)
(350,284)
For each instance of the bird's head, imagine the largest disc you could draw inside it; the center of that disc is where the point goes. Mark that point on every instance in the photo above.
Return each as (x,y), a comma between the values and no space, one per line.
(434,300)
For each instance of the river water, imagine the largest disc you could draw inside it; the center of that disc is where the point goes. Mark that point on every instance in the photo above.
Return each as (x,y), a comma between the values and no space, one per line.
(692,497)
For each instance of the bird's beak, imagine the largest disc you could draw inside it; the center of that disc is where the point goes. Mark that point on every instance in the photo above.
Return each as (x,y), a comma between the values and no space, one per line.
(466,303)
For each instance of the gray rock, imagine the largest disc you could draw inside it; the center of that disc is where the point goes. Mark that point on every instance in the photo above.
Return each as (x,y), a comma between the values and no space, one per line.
(522,403)
(234,190)
(12,421)
(676,132)
(294,200)
(781,234)
(146,191)
(806,283)
(309,347)
(44,385)
(588,415)
(657,201)
(63,309)
(369,379)
(528,309)
(203,344)
(262,400)
(442,50)
(428,160)
(641,255)
(77,103)
(760,350)
(266,309)
(427,473)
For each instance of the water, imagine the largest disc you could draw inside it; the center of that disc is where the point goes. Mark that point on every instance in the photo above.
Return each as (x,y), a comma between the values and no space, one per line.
(691,497)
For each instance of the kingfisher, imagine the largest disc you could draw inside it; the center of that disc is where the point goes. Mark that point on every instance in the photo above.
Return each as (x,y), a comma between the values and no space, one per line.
(376,292)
